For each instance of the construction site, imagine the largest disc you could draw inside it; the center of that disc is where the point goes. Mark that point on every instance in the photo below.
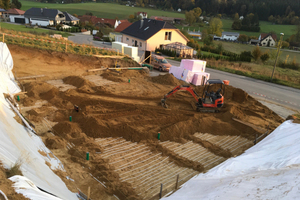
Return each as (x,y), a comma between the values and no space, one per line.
(112,134)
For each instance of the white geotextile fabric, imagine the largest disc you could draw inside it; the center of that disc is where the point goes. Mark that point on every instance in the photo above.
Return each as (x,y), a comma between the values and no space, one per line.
(268,170)
(17,143)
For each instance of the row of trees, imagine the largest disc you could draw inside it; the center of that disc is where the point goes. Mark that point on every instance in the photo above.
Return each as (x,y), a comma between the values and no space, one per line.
(249,23)
(264,8)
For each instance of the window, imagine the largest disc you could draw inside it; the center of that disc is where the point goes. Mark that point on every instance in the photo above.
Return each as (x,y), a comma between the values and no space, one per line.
(132,41)
(140,44)
(168,35)
(127,39)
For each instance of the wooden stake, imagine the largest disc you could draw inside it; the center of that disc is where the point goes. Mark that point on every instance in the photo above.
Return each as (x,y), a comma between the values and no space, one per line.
(176,186)
(66,47)
(89,192)
(3,37)
(160,194)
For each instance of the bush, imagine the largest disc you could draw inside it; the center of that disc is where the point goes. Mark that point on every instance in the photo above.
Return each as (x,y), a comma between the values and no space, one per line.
(291,65)
(264,57)
(14,170)
(256,53)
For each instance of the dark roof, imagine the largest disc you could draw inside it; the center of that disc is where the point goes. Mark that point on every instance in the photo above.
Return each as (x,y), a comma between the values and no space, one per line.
(2,10)
(42,13)
(70,17)
(146,28)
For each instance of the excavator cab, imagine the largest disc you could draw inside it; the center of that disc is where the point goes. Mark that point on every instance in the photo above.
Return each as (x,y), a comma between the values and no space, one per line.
(211,100)
(213,97)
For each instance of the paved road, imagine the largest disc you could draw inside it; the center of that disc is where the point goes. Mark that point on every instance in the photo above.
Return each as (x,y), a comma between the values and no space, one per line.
(286,96)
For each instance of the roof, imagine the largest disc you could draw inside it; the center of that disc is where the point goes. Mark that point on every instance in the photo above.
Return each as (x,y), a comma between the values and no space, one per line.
(122,26)
(70,17)
(15,11)
(2,10)
(42,13)
(177,45)
(146,28)
(264,35)
(230,33)
(104,21)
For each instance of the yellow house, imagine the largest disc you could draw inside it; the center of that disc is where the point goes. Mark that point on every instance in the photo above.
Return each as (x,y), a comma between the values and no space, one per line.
(148,34)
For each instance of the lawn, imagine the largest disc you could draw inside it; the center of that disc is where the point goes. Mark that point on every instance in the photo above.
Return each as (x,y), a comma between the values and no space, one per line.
(105,10)
(265,27)
(238,48)
(22,28)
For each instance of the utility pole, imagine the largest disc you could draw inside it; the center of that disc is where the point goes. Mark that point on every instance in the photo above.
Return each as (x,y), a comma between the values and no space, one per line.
(278,49)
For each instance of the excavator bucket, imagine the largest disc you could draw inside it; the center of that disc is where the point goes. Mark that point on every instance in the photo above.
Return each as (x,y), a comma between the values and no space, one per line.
(163,103)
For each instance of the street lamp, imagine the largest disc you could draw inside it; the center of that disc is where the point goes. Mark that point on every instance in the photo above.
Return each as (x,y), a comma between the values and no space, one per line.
(278,49)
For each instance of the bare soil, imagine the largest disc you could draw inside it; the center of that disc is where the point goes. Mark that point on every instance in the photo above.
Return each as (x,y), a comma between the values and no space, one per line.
(118,124)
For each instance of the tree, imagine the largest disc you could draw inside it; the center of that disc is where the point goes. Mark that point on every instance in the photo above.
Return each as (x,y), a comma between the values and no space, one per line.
(271,18)
(256,53)
(264,57)
(16,4)
(243,38)
(237,24)
(190,17)
(215,27)
(89,13)
(6,4)
(207,39)
(285,44)
(197,12)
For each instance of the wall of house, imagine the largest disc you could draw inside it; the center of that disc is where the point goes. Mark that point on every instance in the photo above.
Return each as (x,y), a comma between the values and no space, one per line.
(266,41)
(159,39)
(230,37)
(40,22)
(131,42)
(12,17)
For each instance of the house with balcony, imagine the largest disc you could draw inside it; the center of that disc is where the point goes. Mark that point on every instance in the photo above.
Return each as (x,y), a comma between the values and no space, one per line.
(148,34)
(44,17)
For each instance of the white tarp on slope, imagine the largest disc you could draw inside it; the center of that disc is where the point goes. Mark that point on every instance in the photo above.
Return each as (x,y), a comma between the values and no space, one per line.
(16,142)
(268,170)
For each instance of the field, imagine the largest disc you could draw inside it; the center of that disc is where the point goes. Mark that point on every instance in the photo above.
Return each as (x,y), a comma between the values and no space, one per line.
(22,28)
(105,10)
(118,123)
(265,27)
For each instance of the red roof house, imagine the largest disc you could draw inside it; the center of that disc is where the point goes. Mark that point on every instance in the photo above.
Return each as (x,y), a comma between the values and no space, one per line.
(122,26)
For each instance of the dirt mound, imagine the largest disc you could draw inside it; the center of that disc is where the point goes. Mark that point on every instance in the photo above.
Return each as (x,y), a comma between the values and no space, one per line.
(239,95)
(167,79)
(66,129)
(50,94)
(34,89)
(86,89)
(115,77)
(55,142)
(77,81)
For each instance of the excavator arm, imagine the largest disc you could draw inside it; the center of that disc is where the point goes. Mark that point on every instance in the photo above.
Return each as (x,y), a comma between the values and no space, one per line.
(177,88)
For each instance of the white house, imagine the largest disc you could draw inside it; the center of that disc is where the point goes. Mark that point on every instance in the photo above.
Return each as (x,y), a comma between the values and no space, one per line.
(267,39)
(16,15)
(230,36)
(142,15)
(44,16)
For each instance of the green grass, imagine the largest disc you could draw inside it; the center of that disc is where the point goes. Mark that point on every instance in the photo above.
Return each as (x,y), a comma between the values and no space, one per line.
(238,48)
(22,28)
(105,10)
(265,27)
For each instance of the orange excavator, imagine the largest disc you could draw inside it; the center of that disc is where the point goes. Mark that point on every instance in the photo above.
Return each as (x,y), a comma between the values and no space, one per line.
(209,102)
